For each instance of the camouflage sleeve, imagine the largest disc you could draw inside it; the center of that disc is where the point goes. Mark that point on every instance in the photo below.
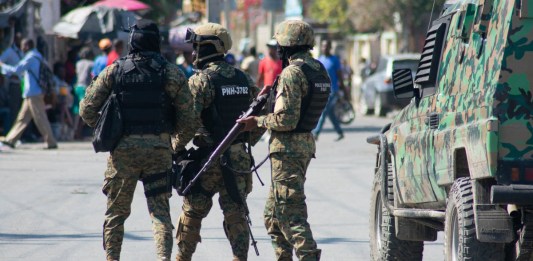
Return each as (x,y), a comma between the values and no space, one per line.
(255,134)
(201,91)
(202,97)
(186,118)
(96,95)
(290,91)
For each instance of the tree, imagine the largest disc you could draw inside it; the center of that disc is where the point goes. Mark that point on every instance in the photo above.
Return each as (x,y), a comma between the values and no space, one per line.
(409,18)
(335,12)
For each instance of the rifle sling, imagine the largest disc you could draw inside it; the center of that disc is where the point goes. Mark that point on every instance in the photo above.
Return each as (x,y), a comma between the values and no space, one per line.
(229,179)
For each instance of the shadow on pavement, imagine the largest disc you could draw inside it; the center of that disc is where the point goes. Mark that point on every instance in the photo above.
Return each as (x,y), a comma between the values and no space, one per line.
(334,240)
(8,237)
(354,129)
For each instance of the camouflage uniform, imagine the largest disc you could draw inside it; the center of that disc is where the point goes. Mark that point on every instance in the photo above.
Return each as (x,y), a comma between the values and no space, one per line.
(138,157)
(197,205)
(290,153)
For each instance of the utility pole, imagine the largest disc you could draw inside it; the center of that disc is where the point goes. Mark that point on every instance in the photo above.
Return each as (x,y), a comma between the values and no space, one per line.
(271,23)
(227,10)
(213,10)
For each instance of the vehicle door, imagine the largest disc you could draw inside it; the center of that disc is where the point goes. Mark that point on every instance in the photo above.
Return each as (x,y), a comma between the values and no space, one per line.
(414,137)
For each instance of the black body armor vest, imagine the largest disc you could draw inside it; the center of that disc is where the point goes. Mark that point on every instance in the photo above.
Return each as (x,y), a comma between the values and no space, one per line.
(317,97)
(232,98)
(146,106)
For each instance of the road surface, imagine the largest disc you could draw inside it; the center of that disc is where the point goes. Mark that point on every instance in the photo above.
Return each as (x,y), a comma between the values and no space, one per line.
(52,207)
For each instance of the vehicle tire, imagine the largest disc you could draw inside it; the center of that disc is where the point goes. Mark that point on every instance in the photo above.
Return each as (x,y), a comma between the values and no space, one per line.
(363,106)
(460,242)
(344,111)
(379,109)
(384,245)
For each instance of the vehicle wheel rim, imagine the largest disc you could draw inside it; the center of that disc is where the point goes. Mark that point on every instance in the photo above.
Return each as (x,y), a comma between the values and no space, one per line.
(455,237)
(377,224)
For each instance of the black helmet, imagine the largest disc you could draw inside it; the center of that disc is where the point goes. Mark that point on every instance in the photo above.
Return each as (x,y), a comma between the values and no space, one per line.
(144,36)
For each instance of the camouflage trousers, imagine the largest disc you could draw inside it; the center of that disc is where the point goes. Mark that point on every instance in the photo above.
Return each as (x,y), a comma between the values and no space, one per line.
(124,168)
(197,205)
(286,212)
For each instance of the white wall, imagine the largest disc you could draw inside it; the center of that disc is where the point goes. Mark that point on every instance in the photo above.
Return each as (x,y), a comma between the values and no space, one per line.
(50,14)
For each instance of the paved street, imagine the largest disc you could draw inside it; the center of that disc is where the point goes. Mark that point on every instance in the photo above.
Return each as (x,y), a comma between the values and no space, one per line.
(51,204)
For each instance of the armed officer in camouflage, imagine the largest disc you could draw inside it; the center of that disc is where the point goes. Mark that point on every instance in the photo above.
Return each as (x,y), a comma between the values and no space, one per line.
(301,95)
(221,93)
(156,103)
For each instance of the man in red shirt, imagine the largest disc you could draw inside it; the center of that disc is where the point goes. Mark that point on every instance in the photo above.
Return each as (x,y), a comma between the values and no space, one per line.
(270,66)
(118,47)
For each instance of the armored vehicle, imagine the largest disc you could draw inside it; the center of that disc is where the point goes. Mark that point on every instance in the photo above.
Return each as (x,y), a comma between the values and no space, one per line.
(459,157)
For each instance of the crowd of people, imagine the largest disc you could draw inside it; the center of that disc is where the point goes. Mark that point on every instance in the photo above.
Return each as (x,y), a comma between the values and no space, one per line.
(28,111)
(73,76)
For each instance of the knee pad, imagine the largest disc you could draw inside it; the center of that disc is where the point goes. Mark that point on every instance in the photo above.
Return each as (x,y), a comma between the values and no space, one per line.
(189,229)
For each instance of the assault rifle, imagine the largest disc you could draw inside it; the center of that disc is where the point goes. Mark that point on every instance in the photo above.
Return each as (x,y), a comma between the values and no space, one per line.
(254,109)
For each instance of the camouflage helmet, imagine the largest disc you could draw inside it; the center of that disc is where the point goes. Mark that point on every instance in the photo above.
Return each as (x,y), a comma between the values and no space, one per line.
(294,33)
(211,33)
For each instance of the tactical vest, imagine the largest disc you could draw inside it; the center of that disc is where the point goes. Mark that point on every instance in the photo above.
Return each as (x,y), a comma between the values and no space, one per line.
(146,106)
(232,98)
(317,97)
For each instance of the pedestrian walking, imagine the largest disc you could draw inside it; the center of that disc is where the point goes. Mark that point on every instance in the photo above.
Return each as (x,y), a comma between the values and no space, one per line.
(302,94)
(12,56)
(100,62)
(83,70)
(221,93)
(333,66)
(156,103)
(250,64)
(33,107)
(5,112)
(118,47)
(270,66)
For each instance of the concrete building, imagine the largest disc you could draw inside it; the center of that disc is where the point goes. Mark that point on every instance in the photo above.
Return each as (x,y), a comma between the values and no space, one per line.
(370,46)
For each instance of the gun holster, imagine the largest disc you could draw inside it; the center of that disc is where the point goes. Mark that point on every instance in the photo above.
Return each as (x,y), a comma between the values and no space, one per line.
(185,166)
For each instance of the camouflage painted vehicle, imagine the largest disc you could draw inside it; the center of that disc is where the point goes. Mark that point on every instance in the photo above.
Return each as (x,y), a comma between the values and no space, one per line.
(459,157)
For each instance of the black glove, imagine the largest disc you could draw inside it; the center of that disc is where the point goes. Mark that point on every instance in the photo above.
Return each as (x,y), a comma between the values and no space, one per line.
(177,157)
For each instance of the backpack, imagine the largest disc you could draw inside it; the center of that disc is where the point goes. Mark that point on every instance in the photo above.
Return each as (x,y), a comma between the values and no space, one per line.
(45,79)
